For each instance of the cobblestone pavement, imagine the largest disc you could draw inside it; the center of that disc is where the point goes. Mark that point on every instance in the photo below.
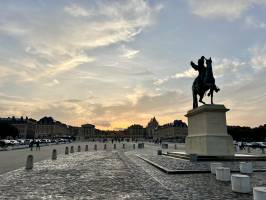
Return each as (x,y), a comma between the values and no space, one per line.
(180,164)
(196,186)
(86,175)
(114,174)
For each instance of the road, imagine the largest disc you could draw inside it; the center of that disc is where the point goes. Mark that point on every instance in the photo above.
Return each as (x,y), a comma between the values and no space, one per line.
(14,159)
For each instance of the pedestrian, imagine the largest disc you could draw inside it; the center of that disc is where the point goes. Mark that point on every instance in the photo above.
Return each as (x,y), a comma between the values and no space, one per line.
(38,145)
(31,145)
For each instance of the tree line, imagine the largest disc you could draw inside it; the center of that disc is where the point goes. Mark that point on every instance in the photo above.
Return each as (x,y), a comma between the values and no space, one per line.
(248,134)
(7,131)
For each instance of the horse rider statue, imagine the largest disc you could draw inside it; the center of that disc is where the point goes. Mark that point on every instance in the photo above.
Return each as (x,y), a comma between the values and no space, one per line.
(204,82)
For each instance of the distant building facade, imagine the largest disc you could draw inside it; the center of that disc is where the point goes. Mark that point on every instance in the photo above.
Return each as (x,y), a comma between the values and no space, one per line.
(177,130)
(47,127)
(86,131)
(151,127)
(26,127)
(135,131)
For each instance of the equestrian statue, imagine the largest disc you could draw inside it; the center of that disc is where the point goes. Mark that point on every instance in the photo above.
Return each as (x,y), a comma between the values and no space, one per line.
(204,82)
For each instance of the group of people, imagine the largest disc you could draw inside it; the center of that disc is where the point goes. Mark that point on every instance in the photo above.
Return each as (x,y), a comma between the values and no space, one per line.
(37,143)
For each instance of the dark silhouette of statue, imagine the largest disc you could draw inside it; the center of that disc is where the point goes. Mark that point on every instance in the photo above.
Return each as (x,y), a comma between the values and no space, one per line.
(204,82)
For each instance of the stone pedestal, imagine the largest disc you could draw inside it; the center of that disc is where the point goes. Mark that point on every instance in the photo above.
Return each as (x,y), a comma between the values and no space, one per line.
(223,174)
(207,132)
(214,166)
(259,193)
(246,167)
(240,183)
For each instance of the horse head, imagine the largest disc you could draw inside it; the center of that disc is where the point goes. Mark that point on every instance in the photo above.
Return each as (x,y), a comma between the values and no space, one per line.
(209,61)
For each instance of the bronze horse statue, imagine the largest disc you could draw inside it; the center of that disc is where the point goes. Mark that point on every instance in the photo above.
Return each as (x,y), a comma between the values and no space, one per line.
(204,82)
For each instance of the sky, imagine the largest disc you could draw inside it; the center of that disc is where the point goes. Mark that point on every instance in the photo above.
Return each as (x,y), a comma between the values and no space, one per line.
(121,62)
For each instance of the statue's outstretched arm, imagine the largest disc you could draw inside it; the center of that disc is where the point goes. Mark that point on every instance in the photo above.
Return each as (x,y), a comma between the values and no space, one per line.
(194,65)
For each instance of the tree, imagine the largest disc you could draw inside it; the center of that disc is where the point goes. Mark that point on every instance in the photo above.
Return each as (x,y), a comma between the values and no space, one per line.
(8,130)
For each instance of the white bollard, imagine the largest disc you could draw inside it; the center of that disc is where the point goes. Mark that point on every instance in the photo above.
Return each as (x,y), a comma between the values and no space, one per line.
(54,155)
(86,148)
(259,193)
(214,166)
(240,183)
(79,149)
(29,162)
(71,149)
(223,174)
(66,151)
(104,147)
(246,167)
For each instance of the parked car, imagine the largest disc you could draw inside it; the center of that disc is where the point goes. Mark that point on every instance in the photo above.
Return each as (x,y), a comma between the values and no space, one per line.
(21,141)
(259,145)
(5,143)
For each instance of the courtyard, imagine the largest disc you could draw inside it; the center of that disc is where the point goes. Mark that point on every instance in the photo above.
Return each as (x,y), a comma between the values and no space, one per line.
(116,174)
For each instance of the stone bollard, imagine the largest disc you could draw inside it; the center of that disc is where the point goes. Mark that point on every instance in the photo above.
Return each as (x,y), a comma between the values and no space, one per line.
(164,146)
(29,162)
(240,183)
(214,166)
(95,147)
(259,193)
(71,149)
(175,146)
(134,146)
(246,167)
(66,151)
(223,174)
(79,149)
(159,152)
(87,147)
(114,146)
(124,146)
(54,154)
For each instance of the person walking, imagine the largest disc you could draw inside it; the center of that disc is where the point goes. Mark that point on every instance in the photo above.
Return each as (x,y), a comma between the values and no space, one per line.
(31,145)
(38,145)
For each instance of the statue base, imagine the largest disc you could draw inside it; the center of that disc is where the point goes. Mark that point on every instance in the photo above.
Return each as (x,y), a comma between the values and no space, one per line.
(207,132)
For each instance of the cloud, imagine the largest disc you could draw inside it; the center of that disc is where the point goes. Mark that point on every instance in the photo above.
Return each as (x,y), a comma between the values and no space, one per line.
(105,124)
(104,115)
(228,9)
(57,46)
(76,11)
(252,21)
(190,73)
(258,57)
(128,53)
(225,66)
(53,83)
